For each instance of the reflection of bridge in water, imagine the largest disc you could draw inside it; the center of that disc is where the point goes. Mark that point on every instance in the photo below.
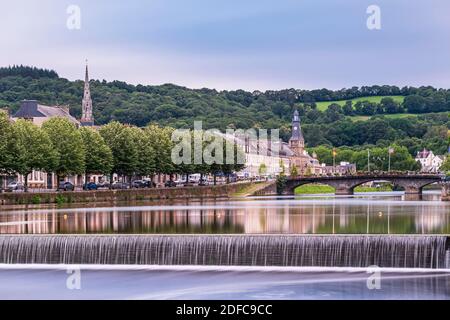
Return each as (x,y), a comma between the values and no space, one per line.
(345,185)
(252,217)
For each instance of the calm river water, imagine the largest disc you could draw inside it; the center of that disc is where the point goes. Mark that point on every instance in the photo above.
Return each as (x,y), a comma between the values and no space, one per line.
(386,213)
(381,213)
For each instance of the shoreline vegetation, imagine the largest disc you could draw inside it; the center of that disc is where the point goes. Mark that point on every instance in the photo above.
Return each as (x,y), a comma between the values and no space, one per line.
(325,189)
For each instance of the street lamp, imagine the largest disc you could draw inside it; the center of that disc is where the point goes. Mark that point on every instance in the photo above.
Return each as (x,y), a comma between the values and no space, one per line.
(368,160)
(334,159)
(390,151)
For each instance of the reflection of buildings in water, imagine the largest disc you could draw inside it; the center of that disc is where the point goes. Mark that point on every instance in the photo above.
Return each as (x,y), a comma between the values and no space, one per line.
(429,219)
(307,220)
(266,220)
(246,220)
(288,218)
(158,221)
(17,223)
(284,220)
(343,217)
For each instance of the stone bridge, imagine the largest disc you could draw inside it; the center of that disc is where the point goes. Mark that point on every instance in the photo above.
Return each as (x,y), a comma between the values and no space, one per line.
(344,185)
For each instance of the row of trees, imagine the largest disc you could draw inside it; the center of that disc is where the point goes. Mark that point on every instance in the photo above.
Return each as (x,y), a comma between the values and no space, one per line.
(437,102)
(59,147)
(414,133)
(378,157)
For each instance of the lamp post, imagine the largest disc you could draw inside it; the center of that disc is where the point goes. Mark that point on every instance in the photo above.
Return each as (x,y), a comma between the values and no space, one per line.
(368,160)
(390,151)
(334,159)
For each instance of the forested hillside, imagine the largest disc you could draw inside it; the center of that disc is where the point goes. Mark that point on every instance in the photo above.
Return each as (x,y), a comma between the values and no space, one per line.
(179,106)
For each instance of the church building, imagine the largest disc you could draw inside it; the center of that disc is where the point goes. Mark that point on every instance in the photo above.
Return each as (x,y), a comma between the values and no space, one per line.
(37,113)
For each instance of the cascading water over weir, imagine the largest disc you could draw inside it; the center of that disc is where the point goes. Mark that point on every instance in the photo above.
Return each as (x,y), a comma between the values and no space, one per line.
(399,251)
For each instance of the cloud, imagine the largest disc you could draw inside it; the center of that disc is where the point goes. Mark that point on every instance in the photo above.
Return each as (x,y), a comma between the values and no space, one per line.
(233,44)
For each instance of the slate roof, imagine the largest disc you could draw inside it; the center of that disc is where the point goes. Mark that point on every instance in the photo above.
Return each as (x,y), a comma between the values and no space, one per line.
(32,109)
(423,154)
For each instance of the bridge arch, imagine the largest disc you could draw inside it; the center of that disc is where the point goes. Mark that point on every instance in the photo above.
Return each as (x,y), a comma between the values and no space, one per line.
(345,185)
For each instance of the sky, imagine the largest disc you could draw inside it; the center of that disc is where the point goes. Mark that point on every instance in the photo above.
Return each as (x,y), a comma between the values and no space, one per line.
(233,44)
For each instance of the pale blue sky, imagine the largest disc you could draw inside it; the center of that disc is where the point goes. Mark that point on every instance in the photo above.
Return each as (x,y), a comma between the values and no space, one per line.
(248,44)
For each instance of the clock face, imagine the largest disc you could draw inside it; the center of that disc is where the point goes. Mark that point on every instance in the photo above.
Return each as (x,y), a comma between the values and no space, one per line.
(295,128)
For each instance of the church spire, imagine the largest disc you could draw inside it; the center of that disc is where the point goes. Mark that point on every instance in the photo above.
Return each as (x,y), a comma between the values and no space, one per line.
(87,119)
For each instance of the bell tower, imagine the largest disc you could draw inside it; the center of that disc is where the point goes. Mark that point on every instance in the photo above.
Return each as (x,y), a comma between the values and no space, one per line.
(87,119)
(297,141)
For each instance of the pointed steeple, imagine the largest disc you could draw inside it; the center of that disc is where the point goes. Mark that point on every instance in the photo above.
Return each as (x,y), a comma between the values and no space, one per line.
(297,141)
(87,119)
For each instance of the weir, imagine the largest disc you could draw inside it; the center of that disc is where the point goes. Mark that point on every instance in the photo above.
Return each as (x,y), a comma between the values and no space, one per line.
(396,251)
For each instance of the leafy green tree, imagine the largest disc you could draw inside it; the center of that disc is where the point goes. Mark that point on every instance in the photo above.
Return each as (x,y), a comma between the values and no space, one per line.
(237,165)
(389,105)
(6,133)
(415,104)
(120,139)
(68,144)
(145,152)
(161,143)
(446,165)
(401,159)
(98,156)
(33,150)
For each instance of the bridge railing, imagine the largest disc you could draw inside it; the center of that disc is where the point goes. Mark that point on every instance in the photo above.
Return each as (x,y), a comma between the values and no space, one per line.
(375,174)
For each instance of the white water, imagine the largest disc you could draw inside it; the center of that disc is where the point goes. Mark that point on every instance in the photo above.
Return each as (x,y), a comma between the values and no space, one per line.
(227,250)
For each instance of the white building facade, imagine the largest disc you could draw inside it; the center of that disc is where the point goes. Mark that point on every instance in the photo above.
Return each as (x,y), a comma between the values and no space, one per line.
(429,162)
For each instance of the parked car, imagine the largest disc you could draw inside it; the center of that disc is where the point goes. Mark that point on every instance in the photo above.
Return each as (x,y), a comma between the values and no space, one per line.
(138,184)
(15,186)
(120,185)
(66,186)
(103,185)
(90,186)
(170,184)
(180,182)
(149,184)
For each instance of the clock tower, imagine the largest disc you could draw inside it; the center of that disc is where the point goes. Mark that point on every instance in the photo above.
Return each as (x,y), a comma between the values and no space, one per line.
(297,141)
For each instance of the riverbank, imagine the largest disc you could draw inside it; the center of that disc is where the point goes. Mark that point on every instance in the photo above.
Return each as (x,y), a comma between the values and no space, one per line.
(112,196)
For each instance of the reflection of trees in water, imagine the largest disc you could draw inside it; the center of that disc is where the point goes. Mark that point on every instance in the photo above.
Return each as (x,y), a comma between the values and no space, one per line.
(295,218)
(159,221)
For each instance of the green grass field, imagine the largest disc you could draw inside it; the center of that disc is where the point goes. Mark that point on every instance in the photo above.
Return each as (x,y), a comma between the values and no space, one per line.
(393,116)
(323,189)
(314,189)
(389,116)
(322,106)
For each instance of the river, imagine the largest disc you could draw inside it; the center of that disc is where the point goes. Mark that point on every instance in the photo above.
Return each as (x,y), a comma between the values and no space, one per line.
(361,214)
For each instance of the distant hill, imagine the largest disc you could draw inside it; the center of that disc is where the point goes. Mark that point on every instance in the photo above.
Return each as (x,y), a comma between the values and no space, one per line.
(324,112)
